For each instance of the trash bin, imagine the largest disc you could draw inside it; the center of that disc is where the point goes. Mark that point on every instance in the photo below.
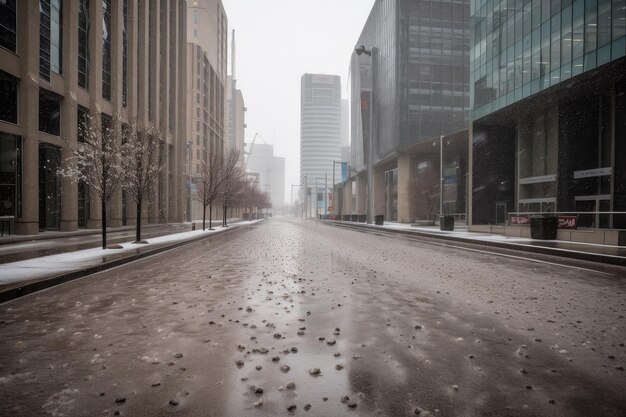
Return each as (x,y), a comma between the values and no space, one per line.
(446,223)
(379,219)
(346,218)
(362,218)
(543,228)
(354,218)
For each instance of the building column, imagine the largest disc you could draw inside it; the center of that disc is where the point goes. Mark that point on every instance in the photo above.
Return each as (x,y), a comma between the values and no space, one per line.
(95,94)
(115,202)
(28,33)
(379,191)
(165,91)
(404,198)
(69,117)
(180,139)
(361,193)
(347,198)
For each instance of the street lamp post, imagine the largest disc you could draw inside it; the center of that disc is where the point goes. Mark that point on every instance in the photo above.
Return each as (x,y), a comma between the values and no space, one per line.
(360,49)
(189,143)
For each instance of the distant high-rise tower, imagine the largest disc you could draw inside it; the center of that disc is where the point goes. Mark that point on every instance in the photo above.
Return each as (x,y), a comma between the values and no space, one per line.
(320,131)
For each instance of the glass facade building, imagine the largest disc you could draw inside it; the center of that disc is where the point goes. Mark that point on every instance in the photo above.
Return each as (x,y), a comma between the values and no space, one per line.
(548,109)
(521,47)
(421,71)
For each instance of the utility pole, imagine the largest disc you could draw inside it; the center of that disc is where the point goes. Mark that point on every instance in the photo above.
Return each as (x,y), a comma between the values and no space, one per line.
(326,193)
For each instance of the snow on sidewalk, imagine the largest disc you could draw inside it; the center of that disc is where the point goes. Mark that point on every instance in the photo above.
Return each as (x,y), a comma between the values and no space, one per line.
(48,266)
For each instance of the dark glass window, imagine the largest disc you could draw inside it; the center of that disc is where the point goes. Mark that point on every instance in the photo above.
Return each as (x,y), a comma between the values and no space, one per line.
(619,19)
(125,53)
(49,113)
(10,168)
(591,25)
(83,43)
(82,123)
(106,49)
(604,22)
(578,29)
(8,24)
(50,38)
(8,97)
(83,188)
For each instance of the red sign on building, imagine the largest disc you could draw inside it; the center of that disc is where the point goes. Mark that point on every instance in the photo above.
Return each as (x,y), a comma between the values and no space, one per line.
(567,222)
(520,220)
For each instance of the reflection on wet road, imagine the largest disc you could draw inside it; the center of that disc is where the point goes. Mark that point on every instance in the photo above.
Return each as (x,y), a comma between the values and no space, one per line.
(298,318)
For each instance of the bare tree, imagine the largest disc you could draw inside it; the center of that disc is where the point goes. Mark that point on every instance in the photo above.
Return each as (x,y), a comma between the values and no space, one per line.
(142,163)
(209,184)
(96,159)
(231,180)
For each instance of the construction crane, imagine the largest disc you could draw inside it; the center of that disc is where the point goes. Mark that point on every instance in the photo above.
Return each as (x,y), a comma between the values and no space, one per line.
(256,135)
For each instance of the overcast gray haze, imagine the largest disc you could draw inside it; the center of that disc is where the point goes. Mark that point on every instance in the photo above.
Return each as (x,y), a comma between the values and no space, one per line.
(276,42)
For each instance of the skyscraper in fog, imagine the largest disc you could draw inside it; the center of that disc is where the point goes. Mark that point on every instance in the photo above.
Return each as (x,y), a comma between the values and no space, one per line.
(320,133)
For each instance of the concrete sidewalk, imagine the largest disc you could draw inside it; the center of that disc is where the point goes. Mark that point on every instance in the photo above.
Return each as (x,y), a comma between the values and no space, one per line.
(39,272)
(612,255)
(16,248)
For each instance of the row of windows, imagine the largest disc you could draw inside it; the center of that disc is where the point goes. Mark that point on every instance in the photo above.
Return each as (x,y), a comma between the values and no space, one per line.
(51,40)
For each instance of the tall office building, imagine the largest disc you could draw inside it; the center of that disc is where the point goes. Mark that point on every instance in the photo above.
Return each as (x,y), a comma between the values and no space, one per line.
(207,52)
(320,136)
(63,59)
(549,110)
(419,68)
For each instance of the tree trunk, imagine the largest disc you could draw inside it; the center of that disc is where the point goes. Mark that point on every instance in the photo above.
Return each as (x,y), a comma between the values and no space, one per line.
(203,218)
(138,228)
(104,223)
(210,216)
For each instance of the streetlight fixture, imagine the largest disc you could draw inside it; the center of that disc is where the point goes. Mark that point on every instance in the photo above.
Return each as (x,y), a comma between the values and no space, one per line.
(359,50)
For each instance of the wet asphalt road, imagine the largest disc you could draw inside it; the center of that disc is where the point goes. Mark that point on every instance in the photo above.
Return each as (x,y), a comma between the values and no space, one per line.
(394,326)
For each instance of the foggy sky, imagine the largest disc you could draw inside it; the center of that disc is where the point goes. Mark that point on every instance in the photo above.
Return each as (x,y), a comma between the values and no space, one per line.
(277,41)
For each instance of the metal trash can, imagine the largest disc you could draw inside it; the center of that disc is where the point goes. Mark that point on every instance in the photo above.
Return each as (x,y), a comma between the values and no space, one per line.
(379,219)
(354,217)
(446,223)
(362,218)
(544,228)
